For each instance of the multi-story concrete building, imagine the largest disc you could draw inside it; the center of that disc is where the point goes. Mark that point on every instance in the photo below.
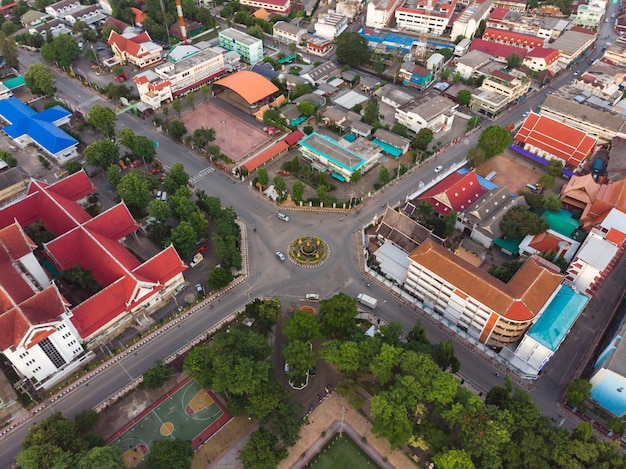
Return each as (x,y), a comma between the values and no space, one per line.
(588,16)
(331,25)
(544,26)
(466,24)
(616,53)
(468,65)
(487,309)
(432,112)
(280,6)
(174,79)
(348,8)
(572,45)
(425,16)
(498,91)
(512,5)
(380,12)
(288,32)
(542,58)
(249,47)
(137,49)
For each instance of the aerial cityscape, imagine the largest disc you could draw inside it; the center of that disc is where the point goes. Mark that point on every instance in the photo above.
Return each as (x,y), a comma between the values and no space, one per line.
(312,234)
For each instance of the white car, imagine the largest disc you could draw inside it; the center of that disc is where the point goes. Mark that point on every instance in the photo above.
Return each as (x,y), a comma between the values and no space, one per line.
(438,169)
(199,289)
(526,114)
(196,260)
(312,297)
(280,255)
(283,217)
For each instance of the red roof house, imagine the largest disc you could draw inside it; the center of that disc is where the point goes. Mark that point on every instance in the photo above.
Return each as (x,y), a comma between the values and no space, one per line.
(456,193)
(137,49)
(511,38)
(552,139)
(497,50)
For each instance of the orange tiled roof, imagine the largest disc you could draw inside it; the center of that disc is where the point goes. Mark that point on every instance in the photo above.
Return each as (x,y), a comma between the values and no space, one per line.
(556,138)
(520,300)
(249,85)
(609,196)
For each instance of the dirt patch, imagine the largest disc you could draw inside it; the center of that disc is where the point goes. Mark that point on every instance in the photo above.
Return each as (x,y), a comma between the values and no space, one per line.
(512,174)
(221,441)
(236,138)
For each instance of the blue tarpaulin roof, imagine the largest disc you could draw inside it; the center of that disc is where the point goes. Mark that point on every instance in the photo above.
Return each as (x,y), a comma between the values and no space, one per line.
(25,121)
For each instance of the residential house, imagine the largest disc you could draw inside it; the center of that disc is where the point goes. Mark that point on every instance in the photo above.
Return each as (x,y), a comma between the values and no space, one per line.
(13,184)
(137,49)
(174,79)
(55,26)
(542,58)
(549,241)
(288,32)
(32,17)
(588,16)
(432,112)
(498,91)
(119,25)
(322,73)
(512,38)
(330,25)
(498,51)
(415,75)
(25,126)
(474,302)
(468,65)
(61,9)
(192,28)
(249,47)
(597,122)
(339,117)
(604,81)
(395,140)
(393,95)
(512,5)
(48,344)
(279,6)
(425,16)
(551,139)
(380,12)
(319,46)
(90,15)
(435,62)
(467,22)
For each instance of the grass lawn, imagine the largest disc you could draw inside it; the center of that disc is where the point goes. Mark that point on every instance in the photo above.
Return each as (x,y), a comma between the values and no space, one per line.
(340,453)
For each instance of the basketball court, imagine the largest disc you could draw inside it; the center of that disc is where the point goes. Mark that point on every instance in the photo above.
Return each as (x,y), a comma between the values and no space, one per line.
(235,137)
(188,411)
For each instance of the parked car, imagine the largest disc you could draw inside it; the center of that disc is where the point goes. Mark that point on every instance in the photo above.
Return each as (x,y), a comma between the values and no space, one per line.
(155,171)
(121,78)
(179,289)
(439,169)
(312,297)
(282,172)
(202,249)
(122,164)
(196,260)
(101,48)
(280,255)
(135,163)
(199,289)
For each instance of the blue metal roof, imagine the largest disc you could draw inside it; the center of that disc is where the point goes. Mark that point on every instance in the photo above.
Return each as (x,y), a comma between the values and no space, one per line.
(609,393)
(557,319)
(25,121)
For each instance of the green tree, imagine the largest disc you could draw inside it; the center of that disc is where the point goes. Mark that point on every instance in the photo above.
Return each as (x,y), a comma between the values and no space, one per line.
(476,156)
(103,119)
(63,50)
(481,28)
(337,315)
(113,174)
(202,137)
(552,203)
(400,130)
(73,167)
(143,148)
(40,79)
(86,420)
(463,97)
(356,176)
(555,168)
(117,70)
(473,122)
(159,209)
(176,178)
(262,451)
(547,181)
(8,158)
(286,420)
(514,61)
(135,188)
(299,90)
(8,48)
(506,271)
(301,326)
(322,192)
(346,355)
(170,454)
(256,31)
(297,191)
(443,355)
(220,278)
(155,377)
(176,129)
(371,112)
(300,358)
(280,187)
(494,139)
(126,138)
(184,238)
(383,175)
(422,139)
(263,177)
(191,100)
(351,49)
(177,105)
(519,222)
(166,111)
(384,364)
(453,459)
(205,90)
(102,153)
(306,108)
(269,312)
(308,130)
(102,457)
(577,392)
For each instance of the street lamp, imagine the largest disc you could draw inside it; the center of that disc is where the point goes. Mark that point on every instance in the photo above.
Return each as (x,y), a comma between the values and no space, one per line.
(224,122)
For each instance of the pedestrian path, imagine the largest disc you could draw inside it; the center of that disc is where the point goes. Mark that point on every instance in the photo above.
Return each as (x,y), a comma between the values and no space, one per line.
(201,174)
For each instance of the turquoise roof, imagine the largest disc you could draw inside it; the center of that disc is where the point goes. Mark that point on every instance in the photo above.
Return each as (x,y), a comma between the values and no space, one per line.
(14,82)
(562,222)
(509,244)
(557,319)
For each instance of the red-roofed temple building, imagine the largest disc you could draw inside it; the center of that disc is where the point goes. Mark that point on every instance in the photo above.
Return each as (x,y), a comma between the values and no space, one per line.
(487,309)
(41,332)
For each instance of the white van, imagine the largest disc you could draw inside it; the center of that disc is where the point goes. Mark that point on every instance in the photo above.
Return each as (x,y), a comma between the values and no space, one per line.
(283,217)
(532,188)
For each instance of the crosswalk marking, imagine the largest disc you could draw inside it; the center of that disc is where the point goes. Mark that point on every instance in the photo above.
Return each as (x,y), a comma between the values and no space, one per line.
(201,174)
(89,102)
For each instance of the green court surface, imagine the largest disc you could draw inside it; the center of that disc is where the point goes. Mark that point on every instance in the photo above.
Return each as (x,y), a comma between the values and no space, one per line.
(339,453)
(188,412)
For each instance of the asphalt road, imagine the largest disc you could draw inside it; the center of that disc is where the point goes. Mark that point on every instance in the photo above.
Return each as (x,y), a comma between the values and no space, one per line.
(268,276)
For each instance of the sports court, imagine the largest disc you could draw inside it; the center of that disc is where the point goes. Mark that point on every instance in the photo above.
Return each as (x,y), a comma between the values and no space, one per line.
(235,137)
(188,411)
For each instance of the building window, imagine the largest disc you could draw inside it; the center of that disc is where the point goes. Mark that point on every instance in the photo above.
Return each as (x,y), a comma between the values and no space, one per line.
(52,353)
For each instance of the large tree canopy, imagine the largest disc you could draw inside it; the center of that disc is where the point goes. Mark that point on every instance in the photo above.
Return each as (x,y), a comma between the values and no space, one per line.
(494,139)
(520,222)
(351,49)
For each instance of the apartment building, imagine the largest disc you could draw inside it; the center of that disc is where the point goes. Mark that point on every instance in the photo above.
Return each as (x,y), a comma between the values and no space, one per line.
(287,32)
(588,16)
(175,79)
(380,12)
(249,47)
(542,58)
(498,91)
(487,309)
(432,112)
(331,25)
(467,22)
(425,16)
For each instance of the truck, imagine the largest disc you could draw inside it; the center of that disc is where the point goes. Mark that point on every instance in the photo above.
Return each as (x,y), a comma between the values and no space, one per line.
(598,166)
(367,300)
